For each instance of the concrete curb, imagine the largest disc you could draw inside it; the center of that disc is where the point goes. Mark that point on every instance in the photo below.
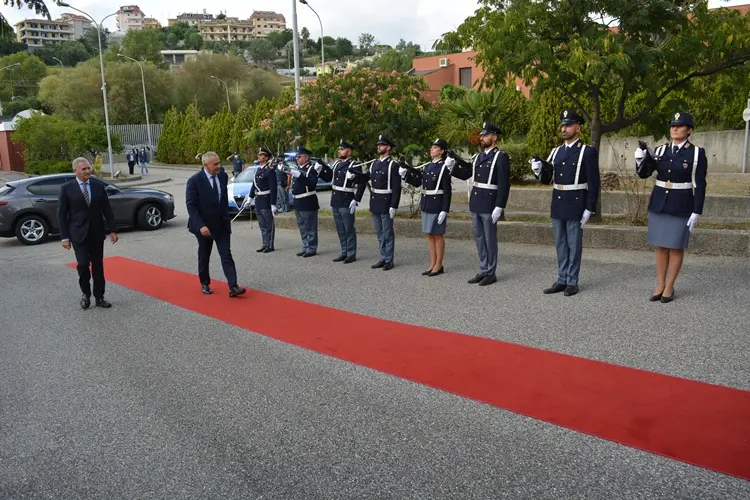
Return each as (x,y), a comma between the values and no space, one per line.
(142,183)
(717,242)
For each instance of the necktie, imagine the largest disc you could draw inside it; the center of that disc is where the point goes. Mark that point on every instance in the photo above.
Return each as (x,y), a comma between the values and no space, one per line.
(215,186)
(675,149)
(85,193)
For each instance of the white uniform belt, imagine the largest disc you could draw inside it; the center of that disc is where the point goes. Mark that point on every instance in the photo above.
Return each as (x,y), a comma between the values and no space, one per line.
(303,195)
(675,185)
(432,192)
(484,185)
(381,191)
(570,187)
(345,190)
(262,193)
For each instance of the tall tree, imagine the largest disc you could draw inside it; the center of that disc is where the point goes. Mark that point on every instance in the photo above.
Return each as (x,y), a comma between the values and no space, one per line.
(144,45)
(262,51)
(366,43)
(305,37)
(614,61)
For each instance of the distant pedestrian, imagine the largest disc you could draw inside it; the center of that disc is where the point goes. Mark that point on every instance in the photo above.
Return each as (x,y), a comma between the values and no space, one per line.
(132,160)
(144,158)
(237,163)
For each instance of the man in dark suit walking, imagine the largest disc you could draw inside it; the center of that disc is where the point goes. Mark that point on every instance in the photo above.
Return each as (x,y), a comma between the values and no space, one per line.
(209,221)
(83,209)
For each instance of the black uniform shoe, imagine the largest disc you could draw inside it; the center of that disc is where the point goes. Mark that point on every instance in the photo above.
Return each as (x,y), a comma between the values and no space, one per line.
(236,290)
(349,260)
(308,254)
(206,289)
(655,298)
(300,254)
(426,273)
(438,272)
(476,279)
(488,280)
(387,266)
(85,302)
(378,265)
(556,288)
(667,300)
(103,303)
(340,258)
(267,250)
(571,290)
(261,249)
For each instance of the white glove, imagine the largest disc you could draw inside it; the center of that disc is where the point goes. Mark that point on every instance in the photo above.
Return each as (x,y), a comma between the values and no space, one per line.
(585,218)
(350,175)
(442,216)
(639,156)
(392,212)
(402,172)
(536,167)
(692,221)
(318,167)
(274,210)
(245,202)
(450,163)
(296,173)
(353,206)
(496,214)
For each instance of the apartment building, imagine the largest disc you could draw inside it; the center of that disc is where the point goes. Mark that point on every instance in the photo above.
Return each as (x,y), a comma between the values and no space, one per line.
(229,29)
(265,22)
(130,17)
(150,22)
(80,24)
(38,32)
(193,19)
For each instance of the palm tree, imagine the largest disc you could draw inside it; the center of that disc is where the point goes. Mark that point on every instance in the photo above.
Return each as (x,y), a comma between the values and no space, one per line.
(305,35)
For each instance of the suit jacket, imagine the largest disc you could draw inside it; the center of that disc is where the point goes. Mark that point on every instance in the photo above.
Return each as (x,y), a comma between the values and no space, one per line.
(79,221)
(204,207)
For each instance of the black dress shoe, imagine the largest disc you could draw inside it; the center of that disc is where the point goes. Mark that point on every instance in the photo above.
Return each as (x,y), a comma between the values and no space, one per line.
(261,249)
(236,290)
(438,272)
(308,254)
(426,273)
(300,254)
(103,303)
(349,260)
(378,265)
(556,288)
(571,290)
(85,302)
(340,258)
(387,266)
(267,250)
(476,279)
(488,280)
(667,300)
(655,298)
(206,289)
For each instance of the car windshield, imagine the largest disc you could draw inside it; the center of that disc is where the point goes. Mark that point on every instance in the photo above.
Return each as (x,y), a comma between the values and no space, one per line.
(246,175)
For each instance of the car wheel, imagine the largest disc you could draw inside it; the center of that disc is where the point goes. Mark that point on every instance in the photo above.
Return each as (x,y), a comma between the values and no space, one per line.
(150,217)
(32,230)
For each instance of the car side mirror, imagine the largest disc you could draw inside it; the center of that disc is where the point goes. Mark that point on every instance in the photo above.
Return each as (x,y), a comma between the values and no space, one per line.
(112,190)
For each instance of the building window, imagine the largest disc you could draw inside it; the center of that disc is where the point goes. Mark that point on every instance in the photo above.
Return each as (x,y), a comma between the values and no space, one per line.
(464,76)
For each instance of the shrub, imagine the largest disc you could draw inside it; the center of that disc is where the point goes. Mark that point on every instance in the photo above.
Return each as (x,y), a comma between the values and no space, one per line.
(518,154)
(45,167)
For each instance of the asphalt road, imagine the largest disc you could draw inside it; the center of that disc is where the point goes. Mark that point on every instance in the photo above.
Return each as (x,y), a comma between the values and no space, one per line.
(148,400)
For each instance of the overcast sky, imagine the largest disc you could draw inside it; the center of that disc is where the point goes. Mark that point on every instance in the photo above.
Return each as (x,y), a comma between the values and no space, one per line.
(418,21)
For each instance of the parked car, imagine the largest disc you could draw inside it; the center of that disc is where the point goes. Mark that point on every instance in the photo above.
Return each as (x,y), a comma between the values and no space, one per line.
(28,207)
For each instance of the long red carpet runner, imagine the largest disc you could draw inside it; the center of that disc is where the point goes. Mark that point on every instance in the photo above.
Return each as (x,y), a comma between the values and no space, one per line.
(694,422)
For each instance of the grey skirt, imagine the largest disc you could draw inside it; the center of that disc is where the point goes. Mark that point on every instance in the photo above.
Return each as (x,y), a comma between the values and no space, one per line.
(430,224)
(668,231)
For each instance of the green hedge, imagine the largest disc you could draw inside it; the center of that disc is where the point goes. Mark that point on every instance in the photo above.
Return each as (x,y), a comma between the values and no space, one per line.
(45,167)
(519,160)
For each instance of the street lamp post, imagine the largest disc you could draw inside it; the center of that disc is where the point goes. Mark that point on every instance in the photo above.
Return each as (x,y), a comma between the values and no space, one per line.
(227,88)
(104,85)
(11,81)
(58,60)
(322,41)
(295,41)
(145,101)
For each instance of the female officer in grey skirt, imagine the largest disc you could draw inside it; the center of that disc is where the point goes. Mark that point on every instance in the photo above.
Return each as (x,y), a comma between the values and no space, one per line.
(676,201)
(435,181)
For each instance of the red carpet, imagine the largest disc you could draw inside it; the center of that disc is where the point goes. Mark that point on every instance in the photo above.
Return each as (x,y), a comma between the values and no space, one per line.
(694,422)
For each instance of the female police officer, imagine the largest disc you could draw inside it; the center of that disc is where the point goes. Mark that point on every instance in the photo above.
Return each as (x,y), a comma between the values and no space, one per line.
(676,201)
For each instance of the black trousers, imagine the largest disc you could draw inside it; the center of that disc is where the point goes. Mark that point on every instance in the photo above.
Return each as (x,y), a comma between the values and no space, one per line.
(89,256)
(131,166)
(205,245)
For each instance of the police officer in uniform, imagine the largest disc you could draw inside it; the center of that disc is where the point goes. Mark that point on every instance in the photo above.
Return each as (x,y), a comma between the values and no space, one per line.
(573,171)
(344,204)
(304,182)
(676,201)
(490,174)
(435,181)
(265,193)
(385,194)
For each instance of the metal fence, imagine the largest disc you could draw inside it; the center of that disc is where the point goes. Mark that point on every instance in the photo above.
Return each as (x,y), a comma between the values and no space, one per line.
(137,135)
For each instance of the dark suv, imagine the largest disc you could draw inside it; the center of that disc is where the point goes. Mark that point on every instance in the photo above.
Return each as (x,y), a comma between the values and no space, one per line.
(28,207)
